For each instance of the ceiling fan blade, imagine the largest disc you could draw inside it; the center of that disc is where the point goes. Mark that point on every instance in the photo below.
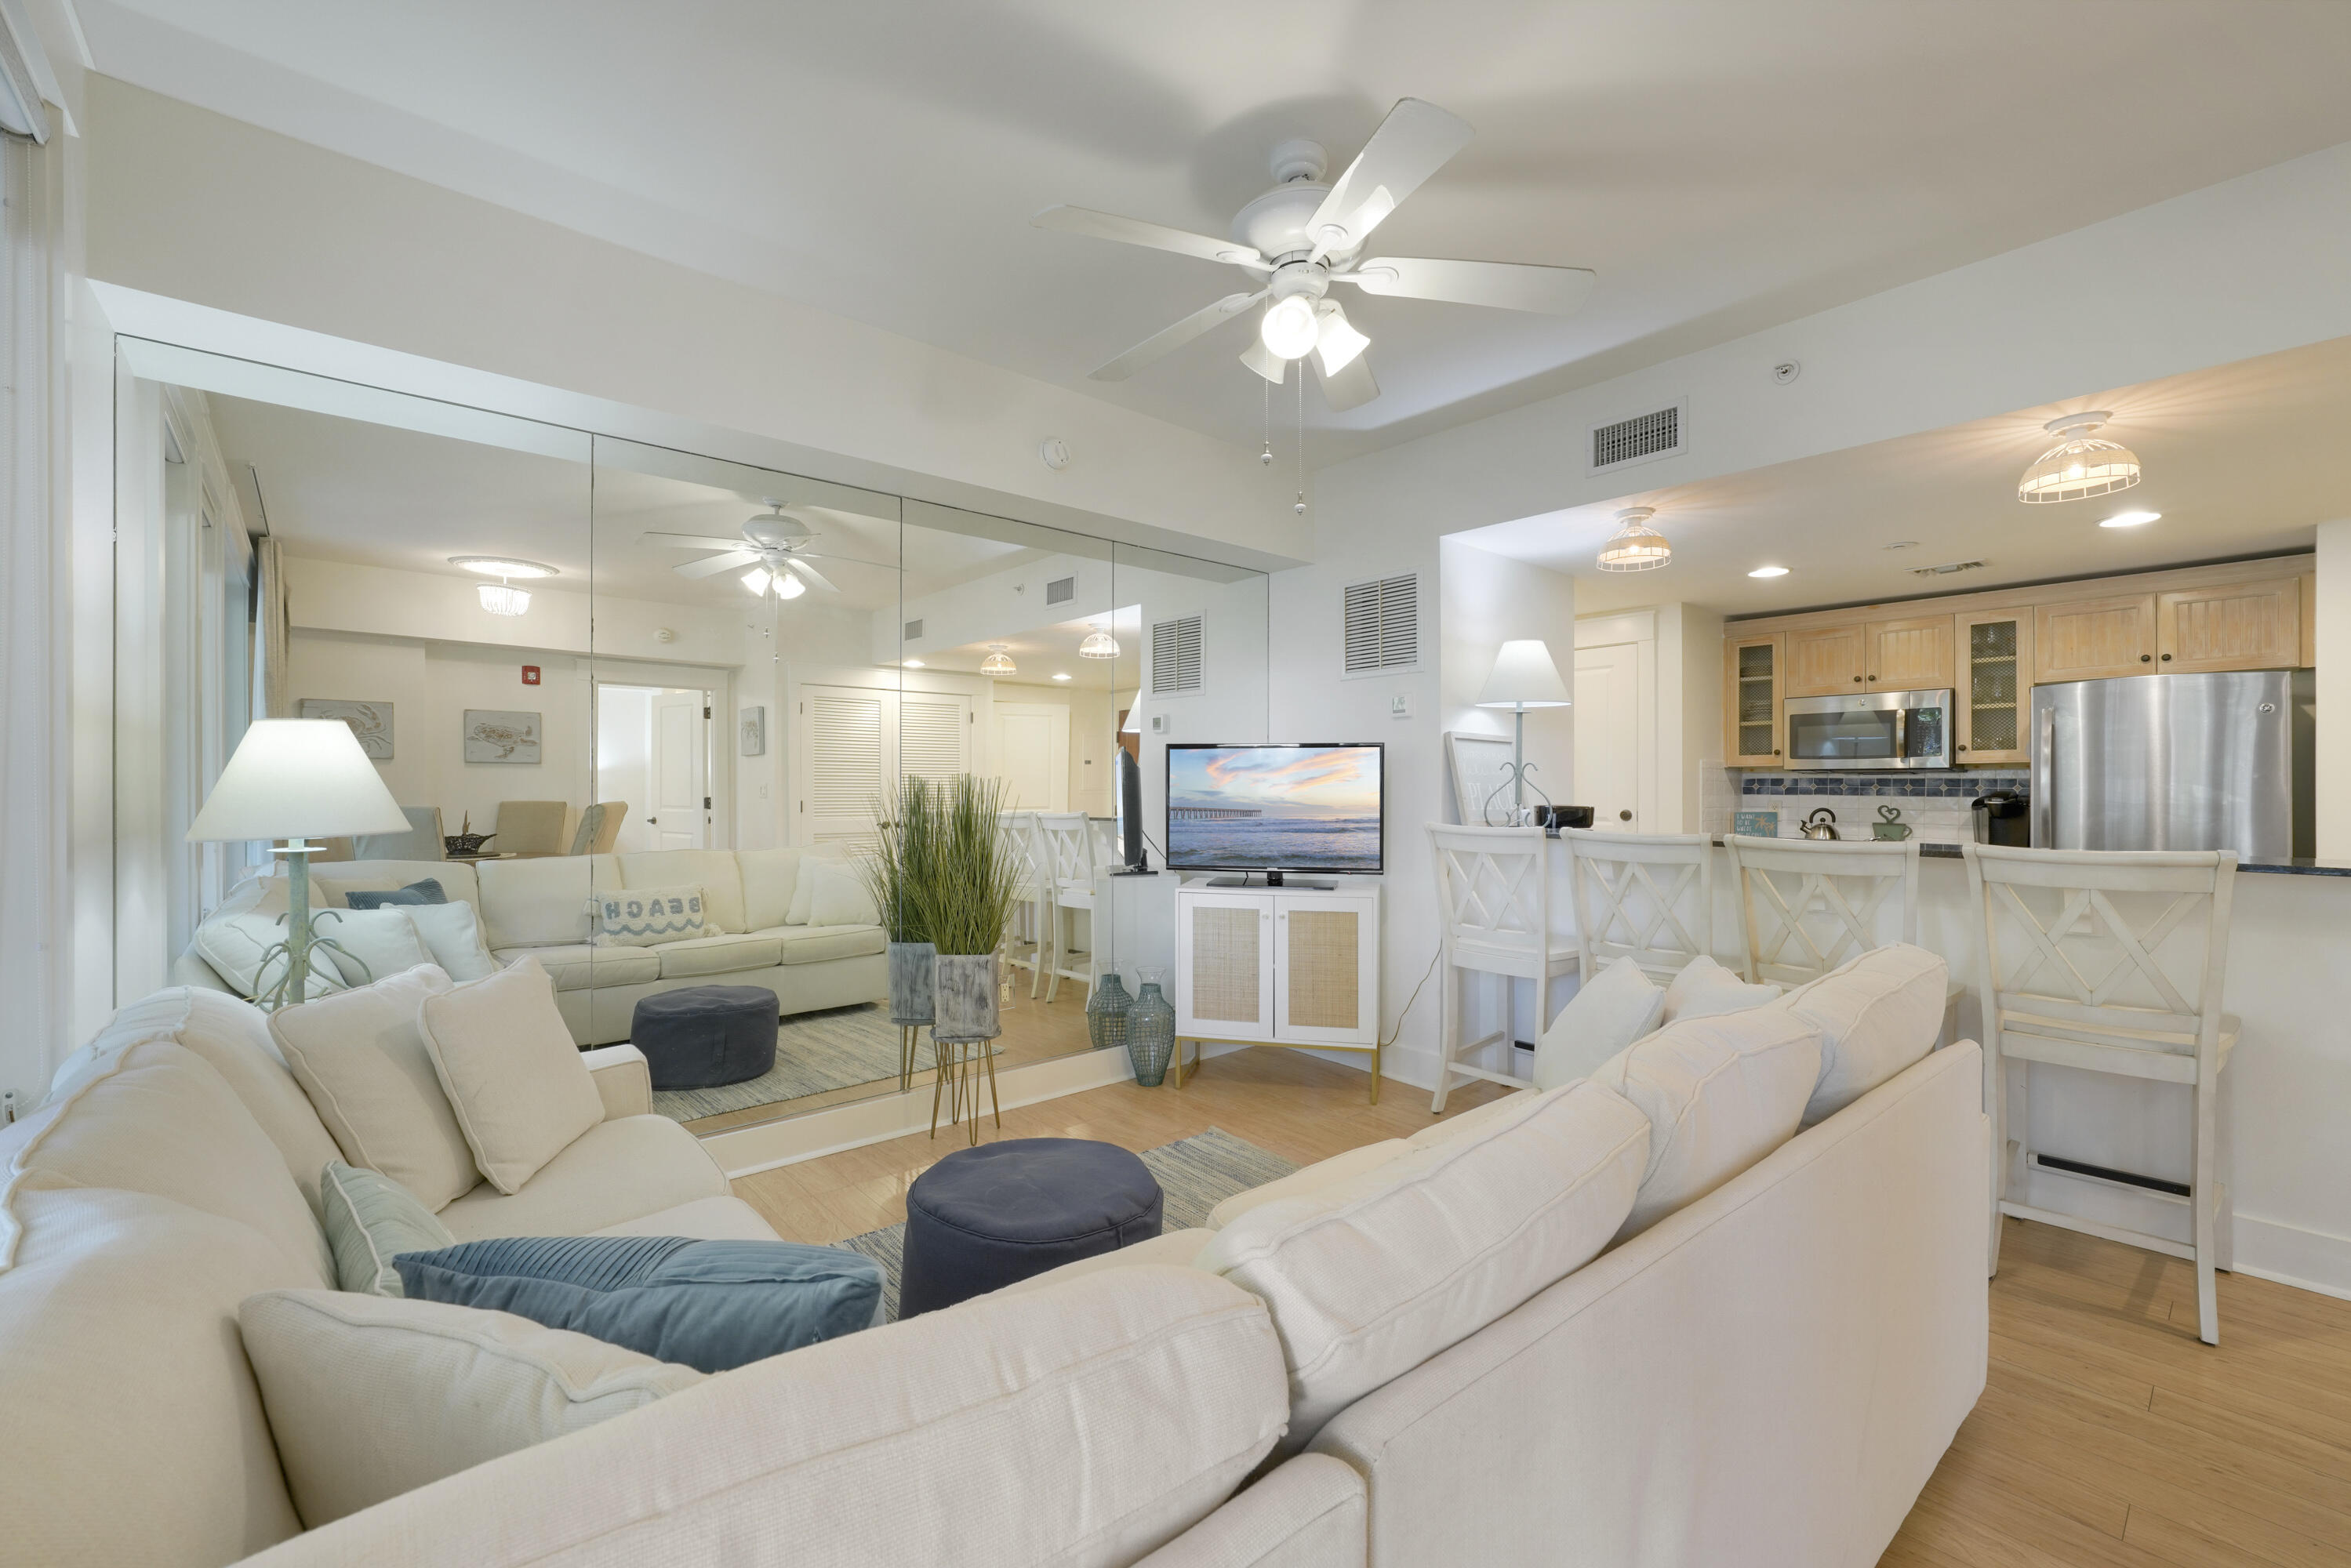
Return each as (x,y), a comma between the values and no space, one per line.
(1413,142)
(714,565)
(809,574)
(1134,231)
(1265,362)
(1351,386)
(1170,339)
(844,559)
(1504,284)
(691,541)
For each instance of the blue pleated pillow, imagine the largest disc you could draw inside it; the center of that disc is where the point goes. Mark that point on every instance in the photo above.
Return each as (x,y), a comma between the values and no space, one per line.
(710,1305)
(429,891)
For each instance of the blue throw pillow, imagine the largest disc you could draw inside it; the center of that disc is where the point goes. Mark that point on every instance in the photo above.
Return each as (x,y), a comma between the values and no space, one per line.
(710,1305)
(429,891)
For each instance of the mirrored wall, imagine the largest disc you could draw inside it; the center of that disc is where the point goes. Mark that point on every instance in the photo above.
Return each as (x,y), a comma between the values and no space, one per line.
(650,713)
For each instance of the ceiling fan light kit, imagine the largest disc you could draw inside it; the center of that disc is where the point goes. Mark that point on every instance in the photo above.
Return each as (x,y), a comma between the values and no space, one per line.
(2080,465)
(500,599)
(1635,546)
(775,544)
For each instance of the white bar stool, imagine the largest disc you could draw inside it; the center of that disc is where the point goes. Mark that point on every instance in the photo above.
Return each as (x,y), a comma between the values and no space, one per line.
(1493,896)
(1646,896)
(1065,862)
(2070,978)
(1018,830)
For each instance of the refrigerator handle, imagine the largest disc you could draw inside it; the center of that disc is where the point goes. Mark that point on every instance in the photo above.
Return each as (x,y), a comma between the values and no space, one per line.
(2044,778)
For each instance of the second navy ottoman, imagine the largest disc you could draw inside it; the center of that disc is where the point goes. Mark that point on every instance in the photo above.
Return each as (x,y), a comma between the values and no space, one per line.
(704,1036)
(986,1217)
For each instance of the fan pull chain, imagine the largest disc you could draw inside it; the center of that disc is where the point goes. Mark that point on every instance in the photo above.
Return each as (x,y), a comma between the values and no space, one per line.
(1301,508)
(1266,457)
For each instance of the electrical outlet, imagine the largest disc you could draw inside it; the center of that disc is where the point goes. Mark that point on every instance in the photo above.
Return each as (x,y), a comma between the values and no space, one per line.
(1400,706)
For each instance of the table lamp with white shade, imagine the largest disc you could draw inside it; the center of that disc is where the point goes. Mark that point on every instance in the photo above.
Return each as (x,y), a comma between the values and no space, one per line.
(297,779)
(1523,677)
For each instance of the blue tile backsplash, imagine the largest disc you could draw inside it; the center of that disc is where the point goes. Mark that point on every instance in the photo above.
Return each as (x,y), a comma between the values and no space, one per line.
(1892,785)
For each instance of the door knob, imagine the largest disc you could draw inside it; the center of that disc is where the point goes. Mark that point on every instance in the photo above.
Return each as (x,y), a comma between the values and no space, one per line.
(1624,816)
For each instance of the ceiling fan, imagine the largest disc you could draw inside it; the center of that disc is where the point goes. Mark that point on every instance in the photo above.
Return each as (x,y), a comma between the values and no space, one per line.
(1302,235)
(774,545)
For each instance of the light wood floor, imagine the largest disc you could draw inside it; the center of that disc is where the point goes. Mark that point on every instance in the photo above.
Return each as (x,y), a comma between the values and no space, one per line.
(2108,1438)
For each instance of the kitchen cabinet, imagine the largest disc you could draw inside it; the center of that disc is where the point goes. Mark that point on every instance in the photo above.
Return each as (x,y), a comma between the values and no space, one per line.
(1751,675)
(1907,655)
(2092,639)
(1993,693)
(2236,626)
(1824,661)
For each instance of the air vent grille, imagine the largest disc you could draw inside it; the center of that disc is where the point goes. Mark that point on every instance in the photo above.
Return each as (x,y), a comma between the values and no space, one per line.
(1383,623)
(1060,590)
(1947,569)
(1645,437)
(1175,655)
(913,631)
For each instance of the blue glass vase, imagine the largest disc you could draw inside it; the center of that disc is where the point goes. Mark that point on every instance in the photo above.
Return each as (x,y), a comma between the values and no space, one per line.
(1150,1030)
(1106,1013)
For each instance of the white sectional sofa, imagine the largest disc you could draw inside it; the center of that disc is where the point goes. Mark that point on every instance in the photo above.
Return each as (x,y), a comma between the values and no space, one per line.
(1765,1377)
(539,908)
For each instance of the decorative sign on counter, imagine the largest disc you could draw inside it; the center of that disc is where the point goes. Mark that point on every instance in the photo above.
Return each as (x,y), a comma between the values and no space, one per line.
(1757,824)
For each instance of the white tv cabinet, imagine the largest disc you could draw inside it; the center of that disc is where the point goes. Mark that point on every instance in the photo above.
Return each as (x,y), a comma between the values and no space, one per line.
(1294,966)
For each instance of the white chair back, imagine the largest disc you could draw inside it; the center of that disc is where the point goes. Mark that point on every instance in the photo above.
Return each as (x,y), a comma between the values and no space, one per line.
(1806,907)
(1066,850)
(1646,896)
(1493,899)
(1019,831)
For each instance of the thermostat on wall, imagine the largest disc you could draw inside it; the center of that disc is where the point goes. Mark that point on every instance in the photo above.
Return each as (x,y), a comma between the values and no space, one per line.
(531,675)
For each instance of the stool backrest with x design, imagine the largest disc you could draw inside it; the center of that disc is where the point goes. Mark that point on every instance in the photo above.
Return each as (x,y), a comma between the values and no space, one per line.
(1493,897)
(1805,908)
(1646,896)
(1065,847)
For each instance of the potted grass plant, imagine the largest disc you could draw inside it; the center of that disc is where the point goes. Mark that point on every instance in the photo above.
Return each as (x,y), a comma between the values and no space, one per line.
(966,895)
(905,846)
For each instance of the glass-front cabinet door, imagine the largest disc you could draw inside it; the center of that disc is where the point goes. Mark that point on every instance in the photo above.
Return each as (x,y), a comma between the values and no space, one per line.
(1752,681)
(1995,688)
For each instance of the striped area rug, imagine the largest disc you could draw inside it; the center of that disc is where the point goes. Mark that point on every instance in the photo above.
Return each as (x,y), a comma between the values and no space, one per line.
(814,1052)
(1195,1174)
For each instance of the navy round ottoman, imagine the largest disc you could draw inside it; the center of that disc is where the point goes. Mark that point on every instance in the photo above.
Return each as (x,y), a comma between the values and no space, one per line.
(706,1035)
(982,1218)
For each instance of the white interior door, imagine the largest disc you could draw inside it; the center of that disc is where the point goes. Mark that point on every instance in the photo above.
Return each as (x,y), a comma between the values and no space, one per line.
(681,813)
(1032,754)
(1608,736)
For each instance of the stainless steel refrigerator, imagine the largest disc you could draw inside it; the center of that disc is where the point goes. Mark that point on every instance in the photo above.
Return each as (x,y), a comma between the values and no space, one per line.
(2177,762)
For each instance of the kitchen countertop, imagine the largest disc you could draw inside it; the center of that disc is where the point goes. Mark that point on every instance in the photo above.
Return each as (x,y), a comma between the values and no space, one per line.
(2300,865)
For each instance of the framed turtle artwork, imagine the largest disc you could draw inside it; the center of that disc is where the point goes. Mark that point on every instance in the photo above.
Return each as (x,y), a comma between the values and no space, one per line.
(496,735)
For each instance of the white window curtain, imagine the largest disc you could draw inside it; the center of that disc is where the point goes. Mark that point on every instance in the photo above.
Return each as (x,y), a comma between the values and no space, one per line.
(269,622)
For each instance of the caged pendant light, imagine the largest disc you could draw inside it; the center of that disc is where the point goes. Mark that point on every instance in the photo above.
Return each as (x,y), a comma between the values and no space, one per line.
(1099,644)
(2080,465)
(1636,547)
(998,662)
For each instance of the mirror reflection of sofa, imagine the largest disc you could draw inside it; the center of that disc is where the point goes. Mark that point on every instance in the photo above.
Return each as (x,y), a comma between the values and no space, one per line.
(541,907)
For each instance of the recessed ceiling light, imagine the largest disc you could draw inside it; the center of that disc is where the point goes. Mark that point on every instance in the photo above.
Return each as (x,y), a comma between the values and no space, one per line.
(502,566)
(2129,519)
(1769,571)
(914,664)
(1060,674)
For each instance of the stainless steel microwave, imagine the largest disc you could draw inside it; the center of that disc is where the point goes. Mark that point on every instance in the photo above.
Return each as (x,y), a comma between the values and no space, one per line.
(1877,729)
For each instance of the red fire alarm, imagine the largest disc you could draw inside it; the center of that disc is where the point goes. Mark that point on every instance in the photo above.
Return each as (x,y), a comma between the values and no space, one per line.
(531,675)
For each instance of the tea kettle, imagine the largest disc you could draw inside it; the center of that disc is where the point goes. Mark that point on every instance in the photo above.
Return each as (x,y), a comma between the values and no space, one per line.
(1821,824)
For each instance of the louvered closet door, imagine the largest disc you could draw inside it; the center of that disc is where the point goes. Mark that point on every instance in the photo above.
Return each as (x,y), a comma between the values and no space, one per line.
(846,741)
(1224,966)
(934,736)
(1326,971)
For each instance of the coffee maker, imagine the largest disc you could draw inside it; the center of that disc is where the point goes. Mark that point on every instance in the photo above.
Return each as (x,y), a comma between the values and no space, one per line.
(2003,817)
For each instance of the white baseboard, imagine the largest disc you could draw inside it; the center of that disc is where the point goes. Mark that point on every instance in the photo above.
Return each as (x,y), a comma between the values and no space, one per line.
(2306,1260)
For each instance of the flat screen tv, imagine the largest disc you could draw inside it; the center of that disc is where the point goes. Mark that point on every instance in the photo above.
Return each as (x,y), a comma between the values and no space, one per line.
(1274,808)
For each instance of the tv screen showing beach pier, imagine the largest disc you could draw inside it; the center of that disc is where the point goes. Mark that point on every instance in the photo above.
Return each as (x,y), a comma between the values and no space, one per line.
(1273,807)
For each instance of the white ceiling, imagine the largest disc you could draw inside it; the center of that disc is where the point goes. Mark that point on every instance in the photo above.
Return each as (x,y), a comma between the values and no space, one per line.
(1724,164)
(2243,459)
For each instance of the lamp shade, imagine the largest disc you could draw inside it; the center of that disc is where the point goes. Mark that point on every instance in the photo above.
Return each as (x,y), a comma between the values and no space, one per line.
(1524,677)
(297,779)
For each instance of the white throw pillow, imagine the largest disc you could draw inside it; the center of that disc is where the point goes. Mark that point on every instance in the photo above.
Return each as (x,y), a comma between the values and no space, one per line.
(512,1074)
(1608,1013)
(453,934)
(1705,989)
(370,1396)
(648,917)
(371,943)
(234,945)
(838,896)
(1876,1015)
(362,1059)
(1719,1094)
(1370,1277)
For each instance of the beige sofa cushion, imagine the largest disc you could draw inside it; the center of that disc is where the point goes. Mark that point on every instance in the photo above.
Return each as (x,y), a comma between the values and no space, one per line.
(362,1059)
(1877,1014)
(1368,1279)
(769,878)
(241,948)
(1339,1167)
(713,871)
(1172,1249)
(1462,1123)
(703,1219)
(542,902)
(815,944)
(717,955)
(1720,1094)
(612,1172)
(506,1061)
(1089,1424)
(371,1397)
(579,968)
(233,1035)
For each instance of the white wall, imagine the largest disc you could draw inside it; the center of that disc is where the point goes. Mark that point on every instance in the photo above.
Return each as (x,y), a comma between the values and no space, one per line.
(1690,716)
